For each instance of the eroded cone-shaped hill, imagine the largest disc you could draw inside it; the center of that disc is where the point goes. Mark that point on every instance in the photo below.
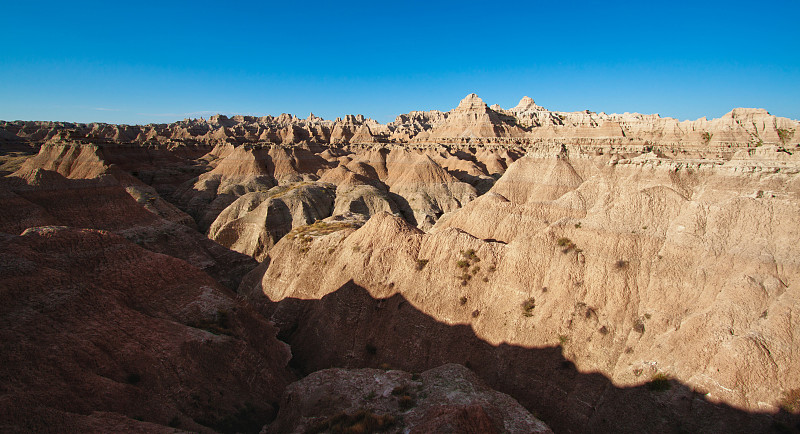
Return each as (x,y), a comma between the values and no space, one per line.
(98,332)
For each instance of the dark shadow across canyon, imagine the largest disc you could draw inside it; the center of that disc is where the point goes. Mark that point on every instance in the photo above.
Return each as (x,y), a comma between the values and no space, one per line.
(350,329)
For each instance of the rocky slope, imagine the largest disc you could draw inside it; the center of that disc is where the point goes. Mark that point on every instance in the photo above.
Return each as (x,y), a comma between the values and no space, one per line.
(99,334)
(637,268)
(608,272)
(449,398)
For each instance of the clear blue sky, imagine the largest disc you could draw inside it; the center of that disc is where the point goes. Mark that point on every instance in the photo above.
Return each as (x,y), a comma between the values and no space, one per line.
(140,62)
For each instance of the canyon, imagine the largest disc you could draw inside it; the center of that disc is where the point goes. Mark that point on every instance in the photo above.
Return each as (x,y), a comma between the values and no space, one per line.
(476,270)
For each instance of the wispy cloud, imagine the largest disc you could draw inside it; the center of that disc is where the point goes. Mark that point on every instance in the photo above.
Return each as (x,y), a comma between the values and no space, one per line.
(104,109)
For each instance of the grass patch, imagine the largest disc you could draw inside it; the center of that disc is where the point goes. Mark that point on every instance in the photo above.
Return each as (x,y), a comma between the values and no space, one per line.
(319,228)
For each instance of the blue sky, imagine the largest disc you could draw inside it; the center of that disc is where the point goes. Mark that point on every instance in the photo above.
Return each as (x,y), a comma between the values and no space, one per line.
(140,62)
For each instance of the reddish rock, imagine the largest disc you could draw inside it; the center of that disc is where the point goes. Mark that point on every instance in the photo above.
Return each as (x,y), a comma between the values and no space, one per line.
(90,323)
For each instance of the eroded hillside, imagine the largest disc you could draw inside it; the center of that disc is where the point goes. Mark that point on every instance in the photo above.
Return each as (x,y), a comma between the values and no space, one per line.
(609,272)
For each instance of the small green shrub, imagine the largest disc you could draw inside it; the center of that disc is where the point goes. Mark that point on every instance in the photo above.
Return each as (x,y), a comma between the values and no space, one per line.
(470,254)
(563,339)
(421,263)
(578,225)
(476,313)
(638,326)
(476,269)
(603,330)
(462,264)
(566,243)
(528,306)
(706,136)
(621,264)
(462,300)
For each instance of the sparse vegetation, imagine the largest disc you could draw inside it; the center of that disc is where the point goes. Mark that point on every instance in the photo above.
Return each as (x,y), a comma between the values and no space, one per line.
(638,326)
(706,136)
(603,330)
(318,228)
(563,339)
(421,263)
(470,255)
(791,401)
(528,306)
(462,301)
(363,421)
(621,264)
(659,383)
(566,243)
(405,397)
(219,325)
(785,135)
(476,313)
(578,225)
(469,259)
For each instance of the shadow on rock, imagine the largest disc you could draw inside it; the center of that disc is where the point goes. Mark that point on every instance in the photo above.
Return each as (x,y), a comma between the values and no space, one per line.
(351,329)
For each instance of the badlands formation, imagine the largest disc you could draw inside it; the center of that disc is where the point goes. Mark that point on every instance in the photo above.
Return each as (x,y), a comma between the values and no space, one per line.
(477,270)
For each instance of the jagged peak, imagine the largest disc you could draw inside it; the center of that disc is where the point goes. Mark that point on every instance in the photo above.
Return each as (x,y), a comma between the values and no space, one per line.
(472,102)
